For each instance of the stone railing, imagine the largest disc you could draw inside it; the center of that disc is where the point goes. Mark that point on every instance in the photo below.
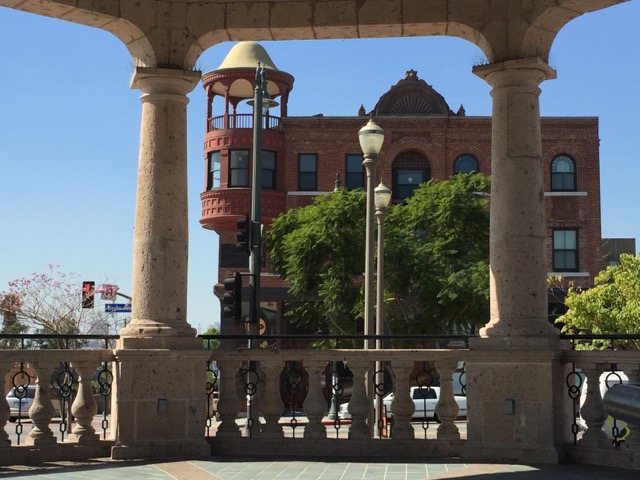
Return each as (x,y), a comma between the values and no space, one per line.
(597,437)
(65,381)
(266,374)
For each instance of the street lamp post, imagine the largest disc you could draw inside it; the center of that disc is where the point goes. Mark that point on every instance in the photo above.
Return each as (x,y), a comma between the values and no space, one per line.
(260,103)
(371,137)
(382,200)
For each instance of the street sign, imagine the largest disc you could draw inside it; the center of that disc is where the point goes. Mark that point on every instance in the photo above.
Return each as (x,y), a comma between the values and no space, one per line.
(117,307)
(109,292)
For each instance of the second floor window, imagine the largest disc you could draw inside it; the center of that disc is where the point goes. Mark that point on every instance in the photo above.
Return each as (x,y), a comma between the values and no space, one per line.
(268,169)
(308,172)
(563,174)
(465,163)
(355,171)
(213,171)
(238,168)
(410,169)
(565,250)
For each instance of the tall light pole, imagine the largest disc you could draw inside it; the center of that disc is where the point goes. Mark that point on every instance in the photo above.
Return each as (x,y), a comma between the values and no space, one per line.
(382,200)
(371,137)
(261,103)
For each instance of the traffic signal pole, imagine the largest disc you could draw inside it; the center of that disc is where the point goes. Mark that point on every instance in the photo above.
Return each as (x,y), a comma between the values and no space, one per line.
(255,259)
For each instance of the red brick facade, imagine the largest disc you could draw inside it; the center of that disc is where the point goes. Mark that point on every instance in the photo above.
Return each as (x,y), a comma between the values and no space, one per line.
(439,137)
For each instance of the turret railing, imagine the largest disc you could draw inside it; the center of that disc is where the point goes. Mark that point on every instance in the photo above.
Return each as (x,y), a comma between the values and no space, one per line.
(241,120)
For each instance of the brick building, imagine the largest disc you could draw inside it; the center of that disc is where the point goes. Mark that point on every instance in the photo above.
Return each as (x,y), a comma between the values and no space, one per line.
(424,139)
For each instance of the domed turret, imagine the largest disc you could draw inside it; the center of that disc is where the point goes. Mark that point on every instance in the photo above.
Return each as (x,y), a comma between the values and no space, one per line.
(229,139)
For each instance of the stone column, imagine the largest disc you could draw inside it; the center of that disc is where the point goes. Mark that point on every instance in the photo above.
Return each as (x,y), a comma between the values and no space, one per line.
(518,260)
(160,244)
(517,408)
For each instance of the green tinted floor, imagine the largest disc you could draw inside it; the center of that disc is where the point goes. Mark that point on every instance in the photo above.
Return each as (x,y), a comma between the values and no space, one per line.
(238,469)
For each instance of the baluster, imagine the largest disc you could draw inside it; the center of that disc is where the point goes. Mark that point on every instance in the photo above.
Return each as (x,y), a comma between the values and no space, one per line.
(41,410)
(402,407)
(447,409)
(84,407)
(315,404)
(593,411)
(228,405)
(5,411)
(360,404)
(272,402)
(632,441)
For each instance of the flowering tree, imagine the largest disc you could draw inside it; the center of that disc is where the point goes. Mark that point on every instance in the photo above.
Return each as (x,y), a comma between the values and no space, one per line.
(50,303)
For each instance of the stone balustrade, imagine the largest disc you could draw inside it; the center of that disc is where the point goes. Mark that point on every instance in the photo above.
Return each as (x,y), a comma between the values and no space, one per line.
(597,437)
(68,378)
(299,379)
(366,434)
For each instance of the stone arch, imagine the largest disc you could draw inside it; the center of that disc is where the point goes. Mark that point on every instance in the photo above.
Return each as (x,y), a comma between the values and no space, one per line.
(108,19)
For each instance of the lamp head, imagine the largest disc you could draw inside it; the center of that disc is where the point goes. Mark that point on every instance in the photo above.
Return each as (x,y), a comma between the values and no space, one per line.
(382,196)
(371,137)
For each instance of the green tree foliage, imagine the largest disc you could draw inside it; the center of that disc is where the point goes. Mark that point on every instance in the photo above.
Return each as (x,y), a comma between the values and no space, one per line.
(612,306)
(436,259)
(319,251)
(211,343)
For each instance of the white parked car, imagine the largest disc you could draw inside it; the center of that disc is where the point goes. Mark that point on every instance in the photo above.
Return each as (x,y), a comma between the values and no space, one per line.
(20,402)
(424,401)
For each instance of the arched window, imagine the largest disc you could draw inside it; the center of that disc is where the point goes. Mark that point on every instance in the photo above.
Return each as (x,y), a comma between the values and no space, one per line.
(563,174)
(410,169)
(466,163)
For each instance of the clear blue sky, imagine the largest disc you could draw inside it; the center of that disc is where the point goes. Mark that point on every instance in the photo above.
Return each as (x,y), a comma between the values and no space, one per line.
(70,126)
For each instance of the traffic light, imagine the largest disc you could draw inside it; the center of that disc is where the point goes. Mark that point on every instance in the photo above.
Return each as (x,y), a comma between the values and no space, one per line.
(243,237)
(233,297)
(88,291)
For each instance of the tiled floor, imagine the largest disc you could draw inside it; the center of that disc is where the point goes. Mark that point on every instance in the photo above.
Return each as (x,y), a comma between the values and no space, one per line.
(211,469)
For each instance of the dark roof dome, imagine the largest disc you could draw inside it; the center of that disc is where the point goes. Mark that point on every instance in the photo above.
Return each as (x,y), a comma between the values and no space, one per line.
(412,96)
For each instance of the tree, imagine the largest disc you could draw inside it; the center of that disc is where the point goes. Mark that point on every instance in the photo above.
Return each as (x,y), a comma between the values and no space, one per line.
(50,303)
(436,259)
(211,343)
(319,251)
(611,306)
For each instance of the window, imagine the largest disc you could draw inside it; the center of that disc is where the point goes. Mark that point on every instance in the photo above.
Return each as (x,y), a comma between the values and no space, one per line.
(268,169)
(239,168)
(465,163)
(563,174)
(213,175)
(410,169)
(355,171)
(565,250)
(308,172)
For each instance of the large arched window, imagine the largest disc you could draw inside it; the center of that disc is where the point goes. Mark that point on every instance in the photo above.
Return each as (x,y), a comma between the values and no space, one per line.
(466,163)
(563,174)
(410,169)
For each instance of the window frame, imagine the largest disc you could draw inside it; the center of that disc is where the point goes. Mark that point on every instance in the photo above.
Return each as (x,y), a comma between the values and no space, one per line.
(213,180)
(232,169)
(466,157)
(308,179)
(555,264)
(350,175)
(270,173)
(572,174)
(405,162)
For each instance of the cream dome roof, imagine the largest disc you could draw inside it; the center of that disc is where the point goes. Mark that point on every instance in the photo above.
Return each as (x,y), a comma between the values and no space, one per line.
(236,74)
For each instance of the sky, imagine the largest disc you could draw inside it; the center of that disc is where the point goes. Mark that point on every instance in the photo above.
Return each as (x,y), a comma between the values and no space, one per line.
(70,129)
